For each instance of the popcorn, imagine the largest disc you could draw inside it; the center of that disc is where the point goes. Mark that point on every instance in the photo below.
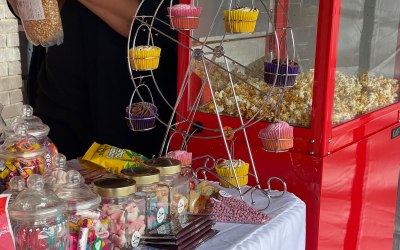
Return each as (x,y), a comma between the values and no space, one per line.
(354,95)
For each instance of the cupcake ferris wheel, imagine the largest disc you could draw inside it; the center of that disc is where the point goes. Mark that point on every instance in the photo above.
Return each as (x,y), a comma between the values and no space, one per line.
(208,55)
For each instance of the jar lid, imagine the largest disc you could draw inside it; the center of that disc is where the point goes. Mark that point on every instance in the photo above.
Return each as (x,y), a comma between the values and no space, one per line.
(165,165)
(114,187)
(21,145)
(35,126)
(76,194)
(142,175)
(57,173)
(35,203)
(17,184)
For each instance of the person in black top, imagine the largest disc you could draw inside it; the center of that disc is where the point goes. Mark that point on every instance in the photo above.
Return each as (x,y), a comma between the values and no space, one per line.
(81,87)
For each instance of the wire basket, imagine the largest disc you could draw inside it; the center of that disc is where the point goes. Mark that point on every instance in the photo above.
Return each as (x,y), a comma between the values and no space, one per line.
(141,116)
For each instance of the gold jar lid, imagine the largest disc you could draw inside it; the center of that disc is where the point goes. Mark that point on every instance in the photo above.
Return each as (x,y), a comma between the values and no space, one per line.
(165,165)
(142,175)
(114,187)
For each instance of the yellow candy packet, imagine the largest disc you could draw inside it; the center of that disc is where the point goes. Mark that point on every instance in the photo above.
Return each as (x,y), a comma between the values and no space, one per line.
(112,158)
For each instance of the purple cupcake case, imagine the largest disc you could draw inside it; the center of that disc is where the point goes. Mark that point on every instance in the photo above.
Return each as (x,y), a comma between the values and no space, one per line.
(141,116)
(286,76)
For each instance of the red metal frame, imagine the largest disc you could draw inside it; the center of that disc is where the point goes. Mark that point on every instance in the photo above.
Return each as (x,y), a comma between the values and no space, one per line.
(346,174)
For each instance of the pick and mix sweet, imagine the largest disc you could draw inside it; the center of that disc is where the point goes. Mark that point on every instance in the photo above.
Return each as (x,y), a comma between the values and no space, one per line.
(223,207)
(119,228)
(233,210)
(354,95)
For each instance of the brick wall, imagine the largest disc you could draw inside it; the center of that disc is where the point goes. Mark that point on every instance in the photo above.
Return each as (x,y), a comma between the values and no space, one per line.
(10,65)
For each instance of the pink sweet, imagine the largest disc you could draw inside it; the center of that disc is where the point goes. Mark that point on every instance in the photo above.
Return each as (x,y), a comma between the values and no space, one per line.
(184,10)
(183,156)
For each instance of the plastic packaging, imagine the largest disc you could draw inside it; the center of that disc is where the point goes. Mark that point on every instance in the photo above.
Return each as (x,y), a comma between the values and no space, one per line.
(39,218)
(88,226)
(178,185)
(6,236)
(42,21)
(112,158)
(125,212)
(21,154)
(36,128)
(156,194)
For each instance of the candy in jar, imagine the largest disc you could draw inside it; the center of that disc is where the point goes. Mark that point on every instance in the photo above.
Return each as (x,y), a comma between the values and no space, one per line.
(125,212)
(39,218)
(178,185)
(36,128)
(147,186)
(87,224)
(20,154)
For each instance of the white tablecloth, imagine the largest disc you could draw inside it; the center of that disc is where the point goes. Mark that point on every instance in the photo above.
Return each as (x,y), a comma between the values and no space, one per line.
(285,231)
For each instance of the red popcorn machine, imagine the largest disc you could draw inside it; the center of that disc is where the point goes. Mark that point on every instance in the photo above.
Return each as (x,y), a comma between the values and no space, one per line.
(330,69)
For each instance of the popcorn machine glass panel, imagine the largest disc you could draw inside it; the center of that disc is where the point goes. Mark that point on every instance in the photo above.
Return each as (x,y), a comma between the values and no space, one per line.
(248,52)
(366,77)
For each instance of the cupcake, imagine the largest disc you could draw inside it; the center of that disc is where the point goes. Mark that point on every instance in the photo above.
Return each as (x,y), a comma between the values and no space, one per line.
(183,156)
(184,16)
(277,137)
(240,20)
(141,115)
(287,72)
(226,172)
(144,57)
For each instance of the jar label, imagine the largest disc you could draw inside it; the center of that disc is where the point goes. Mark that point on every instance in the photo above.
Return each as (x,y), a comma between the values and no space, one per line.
(181,206)
(224,194)
(135,239)
(30,9)
(160,215)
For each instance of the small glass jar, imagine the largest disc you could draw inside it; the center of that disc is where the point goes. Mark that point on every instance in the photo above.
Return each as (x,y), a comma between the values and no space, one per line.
(39,218)
(126,212)
(170,175)
(56,175)
(36,128)
(148,186)
(88,226)
(20,154)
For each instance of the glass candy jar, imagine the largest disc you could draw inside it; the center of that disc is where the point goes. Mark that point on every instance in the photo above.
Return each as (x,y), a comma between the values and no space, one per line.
(170,175)
(36,128)
(20,154)
(39,218)
(125,212)
(147,185)
(56,175)
(88,227)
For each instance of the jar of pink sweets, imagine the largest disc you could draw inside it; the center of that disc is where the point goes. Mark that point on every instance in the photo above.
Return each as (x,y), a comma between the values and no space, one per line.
(178,185)
(88,226)
(156,194)
(126,212)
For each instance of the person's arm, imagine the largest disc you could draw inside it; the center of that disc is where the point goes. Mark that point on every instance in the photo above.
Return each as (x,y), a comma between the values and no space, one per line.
(117,14)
